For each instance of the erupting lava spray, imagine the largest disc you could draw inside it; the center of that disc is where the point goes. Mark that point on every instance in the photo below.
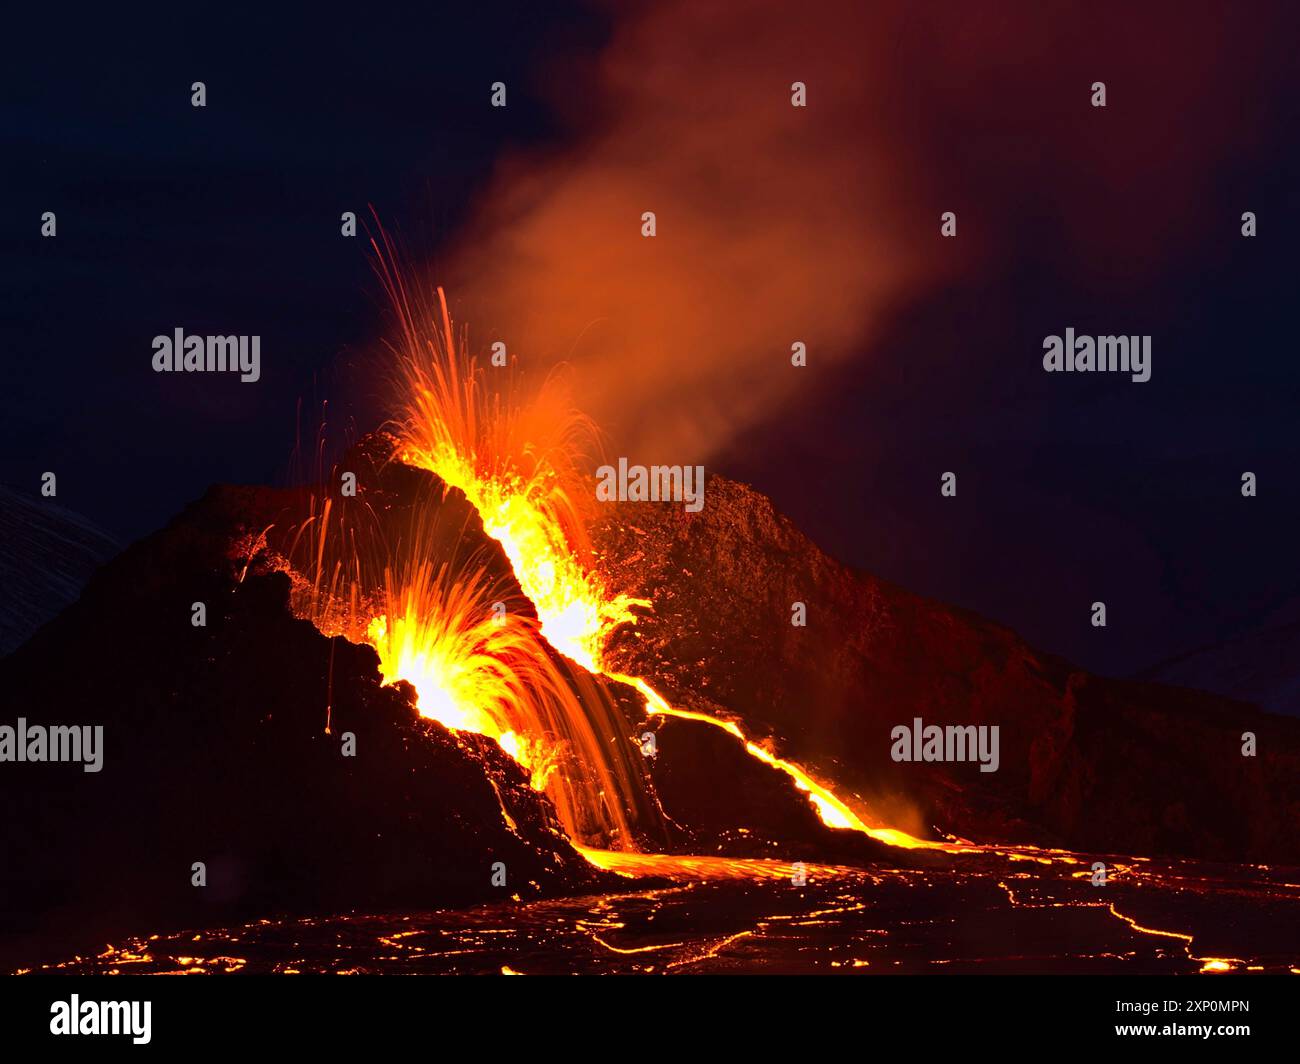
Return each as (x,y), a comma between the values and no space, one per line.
(517,461)
(447,620)
(437,621)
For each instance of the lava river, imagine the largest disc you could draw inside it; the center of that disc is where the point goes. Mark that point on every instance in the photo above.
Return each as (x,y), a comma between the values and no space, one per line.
(984,913)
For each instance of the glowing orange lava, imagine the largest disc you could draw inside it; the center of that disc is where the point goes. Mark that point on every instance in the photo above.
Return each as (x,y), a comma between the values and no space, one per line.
(518,464)
(518,457)
(471,671)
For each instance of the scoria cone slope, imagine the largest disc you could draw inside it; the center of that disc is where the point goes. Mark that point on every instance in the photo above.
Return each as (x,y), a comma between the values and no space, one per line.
(216,751)
(1088,762)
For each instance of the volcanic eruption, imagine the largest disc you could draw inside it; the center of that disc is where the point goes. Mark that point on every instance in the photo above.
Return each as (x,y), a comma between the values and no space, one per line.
(519,657)
(444,680)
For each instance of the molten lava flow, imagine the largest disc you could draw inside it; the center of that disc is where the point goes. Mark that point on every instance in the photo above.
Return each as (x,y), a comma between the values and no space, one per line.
(833,812)
(693,868)
(517,459)
(470,671)
(479,657)
(436,617)
(517,463)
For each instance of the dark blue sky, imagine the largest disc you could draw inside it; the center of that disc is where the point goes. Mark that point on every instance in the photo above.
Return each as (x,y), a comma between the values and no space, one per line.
(226,220)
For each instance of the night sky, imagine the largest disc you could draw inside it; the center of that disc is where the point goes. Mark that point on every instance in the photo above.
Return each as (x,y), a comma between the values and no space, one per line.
(1118,220)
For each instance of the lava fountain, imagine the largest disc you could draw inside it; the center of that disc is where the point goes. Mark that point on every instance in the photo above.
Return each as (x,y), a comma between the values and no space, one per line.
(447,619)
(518,462)
(478,660)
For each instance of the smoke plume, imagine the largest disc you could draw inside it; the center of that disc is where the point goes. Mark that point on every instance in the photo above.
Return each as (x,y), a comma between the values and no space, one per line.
(779,224)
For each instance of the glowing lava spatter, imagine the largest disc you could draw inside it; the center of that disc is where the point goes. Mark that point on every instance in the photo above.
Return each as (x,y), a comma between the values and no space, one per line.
(518,464)
(438,619)
(471,671)
(478,658)
(518,460)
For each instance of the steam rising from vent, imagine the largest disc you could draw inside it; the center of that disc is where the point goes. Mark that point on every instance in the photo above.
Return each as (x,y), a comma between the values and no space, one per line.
(773,226)
(480,656)
(778,224)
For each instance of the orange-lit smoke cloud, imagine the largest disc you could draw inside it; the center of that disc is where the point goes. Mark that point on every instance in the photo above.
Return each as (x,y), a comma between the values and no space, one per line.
(779,224)
(775,224)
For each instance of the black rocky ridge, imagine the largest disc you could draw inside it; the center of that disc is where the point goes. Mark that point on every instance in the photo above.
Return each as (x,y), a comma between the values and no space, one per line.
(216,749)
(1096,764)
